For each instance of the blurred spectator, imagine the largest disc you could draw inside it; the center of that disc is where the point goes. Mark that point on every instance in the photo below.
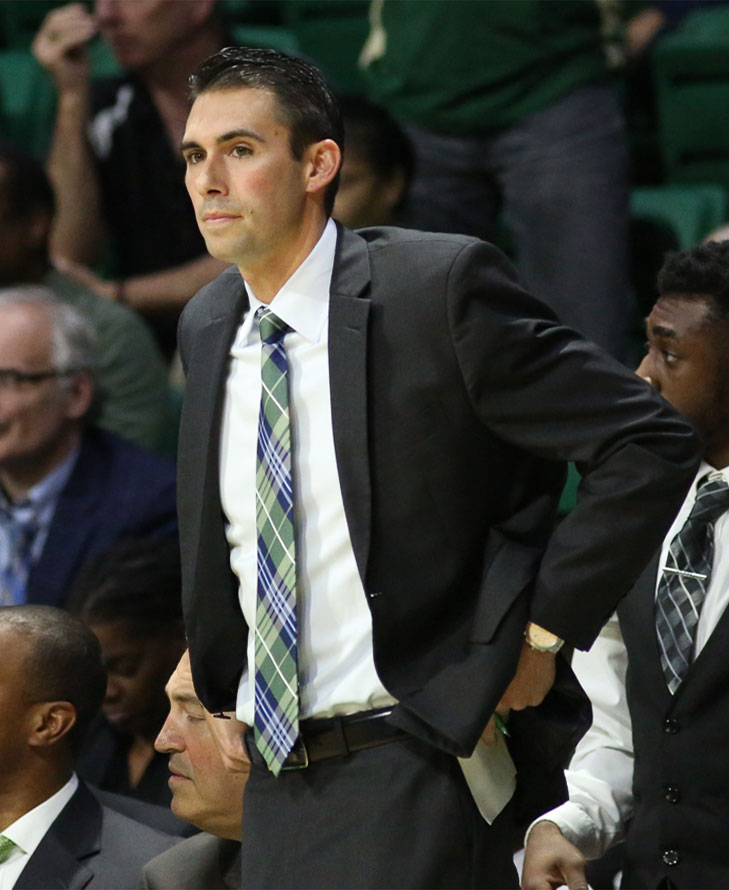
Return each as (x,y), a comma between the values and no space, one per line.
(204,792)
(130,598)
(115,160)
(131,373)
(54,832)
(67,488)
(377,167)
(512,103)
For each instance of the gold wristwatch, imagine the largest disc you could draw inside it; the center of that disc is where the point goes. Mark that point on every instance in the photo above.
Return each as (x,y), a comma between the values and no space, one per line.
(542,640)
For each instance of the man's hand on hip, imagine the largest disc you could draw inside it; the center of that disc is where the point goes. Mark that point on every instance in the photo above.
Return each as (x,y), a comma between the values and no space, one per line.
(551,861)
(533,680)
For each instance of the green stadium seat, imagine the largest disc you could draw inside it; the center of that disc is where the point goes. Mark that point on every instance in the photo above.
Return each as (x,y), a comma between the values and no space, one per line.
(27,102)
(332,33)
(266,36)
(691,72)
(690,212)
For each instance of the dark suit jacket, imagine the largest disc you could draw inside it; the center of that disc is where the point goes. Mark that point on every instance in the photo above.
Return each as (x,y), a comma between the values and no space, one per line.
(115,491)
(455,399)
(202,862)
(91,846)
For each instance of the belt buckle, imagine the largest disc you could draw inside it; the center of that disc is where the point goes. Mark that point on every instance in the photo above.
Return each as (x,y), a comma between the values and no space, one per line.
(299,756)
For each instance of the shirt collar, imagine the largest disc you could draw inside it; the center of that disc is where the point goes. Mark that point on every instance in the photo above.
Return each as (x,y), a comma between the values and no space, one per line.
(303,301)
(29,830)
(42,493)
(707,470)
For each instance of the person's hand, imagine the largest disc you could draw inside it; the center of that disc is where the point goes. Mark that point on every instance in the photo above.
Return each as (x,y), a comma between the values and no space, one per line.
(551,861)
(494,728)
(59,46)
(533,680)
(107,290)
(228,734)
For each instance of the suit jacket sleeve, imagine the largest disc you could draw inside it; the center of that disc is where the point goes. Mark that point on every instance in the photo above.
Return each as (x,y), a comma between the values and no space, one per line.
(538,386)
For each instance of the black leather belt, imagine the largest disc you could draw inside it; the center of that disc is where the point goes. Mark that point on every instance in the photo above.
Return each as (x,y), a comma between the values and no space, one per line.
(320,739)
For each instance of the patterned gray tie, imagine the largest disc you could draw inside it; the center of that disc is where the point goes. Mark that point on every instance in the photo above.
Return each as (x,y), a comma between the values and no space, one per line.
(14,576)
(685,580)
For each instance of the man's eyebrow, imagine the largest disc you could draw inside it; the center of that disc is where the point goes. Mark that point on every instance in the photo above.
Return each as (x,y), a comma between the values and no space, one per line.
(241,133)
(185,698)
(658,330)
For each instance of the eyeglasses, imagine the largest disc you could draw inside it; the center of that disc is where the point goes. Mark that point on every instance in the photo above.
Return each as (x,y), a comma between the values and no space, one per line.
(10,378)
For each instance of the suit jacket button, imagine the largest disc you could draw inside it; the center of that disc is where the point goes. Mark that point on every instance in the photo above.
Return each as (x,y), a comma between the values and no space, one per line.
(670,857)
(671,726)
(672,794)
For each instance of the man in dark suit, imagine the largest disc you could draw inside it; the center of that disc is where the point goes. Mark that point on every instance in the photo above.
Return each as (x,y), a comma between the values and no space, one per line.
(53,830)
(651,769)
(204,793)
(67,489)
(431,401)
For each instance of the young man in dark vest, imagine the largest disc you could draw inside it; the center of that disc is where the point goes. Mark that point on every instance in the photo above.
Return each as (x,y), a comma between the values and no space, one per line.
(661,673)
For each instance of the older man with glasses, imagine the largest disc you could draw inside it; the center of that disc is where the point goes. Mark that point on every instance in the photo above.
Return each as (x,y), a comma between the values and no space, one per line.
(67,489)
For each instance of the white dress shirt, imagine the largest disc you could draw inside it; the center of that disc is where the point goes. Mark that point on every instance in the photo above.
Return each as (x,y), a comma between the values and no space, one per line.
(600,775)
(336,664)
(28,831)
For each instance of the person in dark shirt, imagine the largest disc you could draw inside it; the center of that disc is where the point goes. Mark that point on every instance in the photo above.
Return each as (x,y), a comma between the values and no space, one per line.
(130,598)
(114,161)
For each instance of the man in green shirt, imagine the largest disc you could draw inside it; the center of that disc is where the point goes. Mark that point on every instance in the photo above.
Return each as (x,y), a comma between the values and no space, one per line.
(510,104)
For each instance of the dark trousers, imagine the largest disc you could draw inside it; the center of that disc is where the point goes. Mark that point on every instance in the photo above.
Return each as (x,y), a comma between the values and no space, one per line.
(397,816)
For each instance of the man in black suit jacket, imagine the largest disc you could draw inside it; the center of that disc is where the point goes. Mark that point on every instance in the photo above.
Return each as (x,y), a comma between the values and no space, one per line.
(651,769)
(433,401)
(74,488)
(59,835)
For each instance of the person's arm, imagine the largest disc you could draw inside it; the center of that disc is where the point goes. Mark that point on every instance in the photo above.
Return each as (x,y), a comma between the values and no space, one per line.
(599,777)
(542,389)
(156,292)
(60,47)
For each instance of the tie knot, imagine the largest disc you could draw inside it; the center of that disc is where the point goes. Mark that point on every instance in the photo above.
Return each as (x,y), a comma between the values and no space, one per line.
(6,847)
(712,499)
(271,327)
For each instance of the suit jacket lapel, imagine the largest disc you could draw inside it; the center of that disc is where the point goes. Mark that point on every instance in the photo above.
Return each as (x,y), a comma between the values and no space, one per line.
(69,531)
(75,835)
(205,391)
(348,316)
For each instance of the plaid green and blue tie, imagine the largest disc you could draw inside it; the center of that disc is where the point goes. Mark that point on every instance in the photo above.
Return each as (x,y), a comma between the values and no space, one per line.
(276,724)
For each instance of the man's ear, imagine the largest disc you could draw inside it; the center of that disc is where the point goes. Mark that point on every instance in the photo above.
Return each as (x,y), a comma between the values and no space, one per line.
(325,159)
(81,395)
(49,722)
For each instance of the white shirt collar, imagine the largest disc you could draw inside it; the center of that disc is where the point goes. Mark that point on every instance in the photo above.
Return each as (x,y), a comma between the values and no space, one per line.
(29,830)
(707,470)
(303,301)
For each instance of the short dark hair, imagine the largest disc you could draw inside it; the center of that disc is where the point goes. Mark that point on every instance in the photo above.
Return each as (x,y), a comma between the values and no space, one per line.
(136,581)
(701,271)
(374,135)
(301,90)
(64,662)
(26,184)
